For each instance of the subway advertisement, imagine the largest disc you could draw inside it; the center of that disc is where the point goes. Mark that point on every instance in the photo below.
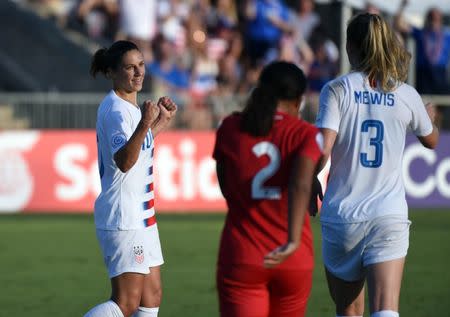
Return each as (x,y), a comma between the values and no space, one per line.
(55,171)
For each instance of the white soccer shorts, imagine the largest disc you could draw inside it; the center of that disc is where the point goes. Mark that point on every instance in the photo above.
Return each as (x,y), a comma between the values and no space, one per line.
(348,248)
(130,251)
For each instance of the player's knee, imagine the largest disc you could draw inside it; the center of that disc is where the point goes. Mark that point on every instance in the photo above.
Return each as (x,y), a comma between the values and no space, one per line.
(128,308)
(152,298)
(129,304)
(158,296)
(385,313)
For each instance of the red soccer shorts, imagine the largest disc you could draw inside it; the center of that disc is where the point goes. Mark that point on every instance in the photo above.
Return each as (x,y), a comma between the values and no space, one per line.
(253,291)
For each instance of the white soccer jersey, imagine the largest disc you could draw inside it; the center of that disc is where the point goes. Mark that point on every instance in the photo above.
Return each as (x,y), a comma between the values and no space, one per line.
(366,161)
(126,199)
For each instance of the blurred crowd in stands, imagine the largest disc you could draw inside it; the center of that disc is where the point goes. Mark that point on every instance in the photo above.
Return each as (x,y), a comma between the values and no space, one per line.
(204,53)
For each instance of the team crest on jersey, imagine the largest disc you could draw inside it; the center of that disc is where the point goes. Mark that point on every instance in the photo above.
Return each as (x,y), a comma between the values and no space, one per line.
(138,254)
(118,140)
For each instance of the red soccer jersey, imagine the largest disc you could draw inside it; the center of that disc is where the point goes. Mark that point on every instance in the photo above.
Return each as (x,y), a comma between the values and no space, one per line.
(256,184)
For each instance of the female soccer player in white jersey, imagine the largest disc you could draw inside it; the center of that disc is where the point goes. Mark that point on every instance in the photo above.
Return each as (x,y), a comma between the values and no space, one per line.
(364,117)
(124,211)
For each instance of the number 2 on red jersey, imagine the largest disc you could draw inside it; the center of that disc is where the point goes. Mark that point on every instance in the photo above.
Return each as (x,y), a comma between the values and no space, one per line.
(258,190)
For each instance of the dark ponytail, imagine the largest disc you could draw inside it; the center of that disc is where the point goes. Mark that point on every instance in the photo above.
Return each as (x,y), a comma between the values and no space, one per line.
(257,116)
(278,81)
(98,63)
(104,58)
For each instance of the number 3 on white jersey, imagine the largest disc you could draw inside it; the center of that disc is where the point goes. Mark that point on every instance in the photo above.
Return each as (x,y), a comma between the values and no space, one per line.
(376,142)
(258,190)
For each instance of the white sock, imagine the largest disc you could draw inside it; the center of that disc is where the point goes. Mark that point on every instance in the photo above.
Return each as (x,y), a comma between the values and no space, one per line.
(108,309)
(385,313)
(146,312)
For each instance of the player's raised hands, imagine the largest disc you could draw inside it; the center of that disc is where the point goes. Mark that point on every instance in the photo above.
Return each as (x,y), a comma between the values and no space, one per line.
(167,103)
(167,110)
(150,113)
(280,254)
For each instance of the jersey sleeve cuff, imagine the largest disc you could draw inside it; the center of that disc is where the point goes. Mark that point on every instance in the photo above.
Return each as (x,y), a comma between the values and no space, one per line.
(425,132)
(327,126)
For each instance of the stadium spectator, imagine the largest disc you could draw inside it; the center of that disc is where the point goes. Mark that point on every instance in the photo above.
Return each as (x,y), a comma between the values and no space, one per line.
(138,23)
(230,68)
(205,71)
(326,57)
(225,100)
(433,52)
(173,17)
(266,22)
(167,72)
(372,8)
(97,18)
(174,30)
(54,9)
(305,19)
(266,157)
(222,17)
(296,50)
(364,117)
(250,80)
(124,211)
(225,45)
(173,8)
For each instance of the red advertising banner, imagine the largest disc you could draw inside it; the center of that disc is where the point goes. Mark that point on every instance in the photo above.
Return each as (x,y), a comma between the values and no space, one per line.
(56,171)
(186,173)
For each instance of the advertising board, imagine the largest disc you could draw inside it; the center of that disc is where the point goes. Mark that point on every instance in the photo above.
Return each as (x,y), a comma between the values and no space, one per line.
(56,171)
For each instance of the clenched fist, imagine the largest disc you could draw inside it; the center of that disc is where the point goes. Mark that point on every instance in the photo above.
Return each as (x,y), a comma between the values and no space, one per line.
(167,103)
(150,113)
(167,110)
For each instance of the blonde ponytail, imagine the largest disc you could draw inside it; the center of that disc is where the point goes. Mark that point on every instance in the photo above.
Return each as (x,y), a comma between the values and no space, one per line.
(381,55)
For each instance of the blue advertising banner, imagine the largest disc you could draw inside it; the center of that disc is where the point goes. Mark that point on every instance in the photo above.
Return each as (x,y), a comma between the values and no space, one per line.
(426,173)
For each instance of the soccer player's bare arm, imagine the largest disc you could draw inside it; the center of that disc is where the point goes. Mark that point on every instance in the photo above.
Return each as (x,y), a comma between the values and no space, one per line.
(299,193)
(430,141)
(127,156)
(329,137)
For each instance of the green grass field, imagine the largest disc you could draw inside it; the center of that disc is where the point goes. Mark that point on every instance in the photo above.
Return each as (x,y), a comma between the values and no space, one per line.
(51,266)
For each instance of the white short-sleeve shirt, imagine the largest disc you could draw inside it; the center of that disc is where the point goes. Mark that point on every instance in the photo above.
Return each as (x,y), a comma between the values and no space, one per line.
(126,199)
(138,18)
(366,161)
